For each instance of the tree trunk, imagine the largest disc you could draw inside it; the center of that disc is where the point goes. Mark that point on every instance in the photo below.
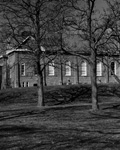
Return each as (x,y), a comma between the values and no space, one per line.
(45,82)
(40,91)
(107,68)
(94,81)
(93,49)
(61,70)
(18,71)
(6,70)
(77,63)
(40,87)
(19,85)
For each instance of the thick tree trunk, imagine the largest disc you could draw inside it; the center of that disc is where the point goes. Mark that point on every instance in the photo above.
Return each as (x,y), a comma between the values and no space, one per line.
(45,82)
(61,74)
(6,70)
(92,47)
(61,70)
(107,68)
(40,91)
(19,85)
(18,71)
(94,81)
(77,70)
(40,86)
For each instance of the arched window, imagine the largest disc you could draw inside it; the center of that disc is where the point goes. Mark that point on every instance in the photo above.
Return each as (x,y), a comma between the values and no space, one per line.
(84,68)
(99,69)
(68,68)
(113,68)
(51,69)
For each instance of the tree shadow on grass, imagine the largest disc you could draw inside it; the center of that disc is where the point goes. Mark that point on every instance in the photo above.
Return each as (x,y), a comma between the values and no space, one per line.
(34,112)
(24,137)
(81,93)
(11,114)
(59,95)
(68,95)
(31,137)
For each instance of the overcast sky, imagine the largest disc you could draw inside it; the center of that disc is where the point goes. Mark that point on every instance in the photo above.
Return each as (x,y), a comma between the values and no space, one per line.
(100,4)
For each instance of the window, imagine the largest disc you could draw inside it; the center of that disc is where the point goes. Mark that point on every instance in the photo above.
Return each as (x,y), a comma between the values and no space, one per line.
(27,84)
(23,84)
(51,69)
(35,84)
(99,69)
(83,68)
(113,68)
(68,68)
(23,69)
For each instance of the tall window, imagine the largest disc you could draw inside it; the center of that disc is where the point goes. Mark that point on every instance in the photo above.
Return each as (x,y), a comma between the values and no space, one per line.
(51,69)
(23,84)
(68,68)
(27,84)
(84,68)
(113,68)
(99,69)
(23,69)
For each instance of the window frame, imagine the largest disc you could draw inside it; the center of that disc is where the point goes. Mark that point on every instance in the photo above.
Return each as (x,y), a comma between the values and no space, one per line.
(51,69)
(84,69)
(23,84)
(68,69)
(115,69)
(27,84)
(23,72)
(99,70)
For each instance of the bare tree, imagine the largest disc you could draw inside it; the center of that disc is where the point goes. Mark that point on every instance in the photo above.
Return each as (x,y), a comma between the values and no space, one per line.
(113,34)
(38,21)
(90,26)
(29,23)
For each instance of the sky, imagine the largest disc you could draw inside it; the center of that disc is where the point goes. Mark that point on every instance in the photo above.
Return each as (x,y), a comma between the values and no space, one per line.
(101,4)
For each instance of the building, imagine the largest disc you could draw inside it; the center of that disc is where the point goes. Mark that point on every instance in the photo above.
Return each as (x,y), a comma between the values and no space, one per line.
(18,70)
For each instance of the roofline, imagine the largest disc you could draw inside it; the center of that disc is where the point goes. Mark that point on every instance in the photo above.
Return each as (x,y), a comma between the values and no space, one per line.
(75,53)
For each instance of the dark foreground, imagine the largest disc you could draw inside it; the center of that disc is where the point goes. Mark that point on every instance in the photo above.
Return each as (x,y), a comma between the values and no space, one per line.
(60,128)
(69,126)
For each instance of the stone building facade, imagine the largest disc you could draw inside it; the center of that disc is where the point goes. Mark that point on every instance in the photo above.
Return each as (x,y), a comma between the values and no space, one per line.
(17,70)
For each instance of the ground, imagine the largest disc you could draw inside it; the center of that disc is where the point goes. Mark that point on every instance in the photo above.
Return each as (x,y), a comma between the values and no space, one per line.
(69,126)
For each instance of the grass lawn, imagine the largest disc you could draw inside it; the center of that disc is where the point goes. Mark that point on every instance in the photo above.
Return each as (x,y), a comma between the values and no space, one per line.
(66,123)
